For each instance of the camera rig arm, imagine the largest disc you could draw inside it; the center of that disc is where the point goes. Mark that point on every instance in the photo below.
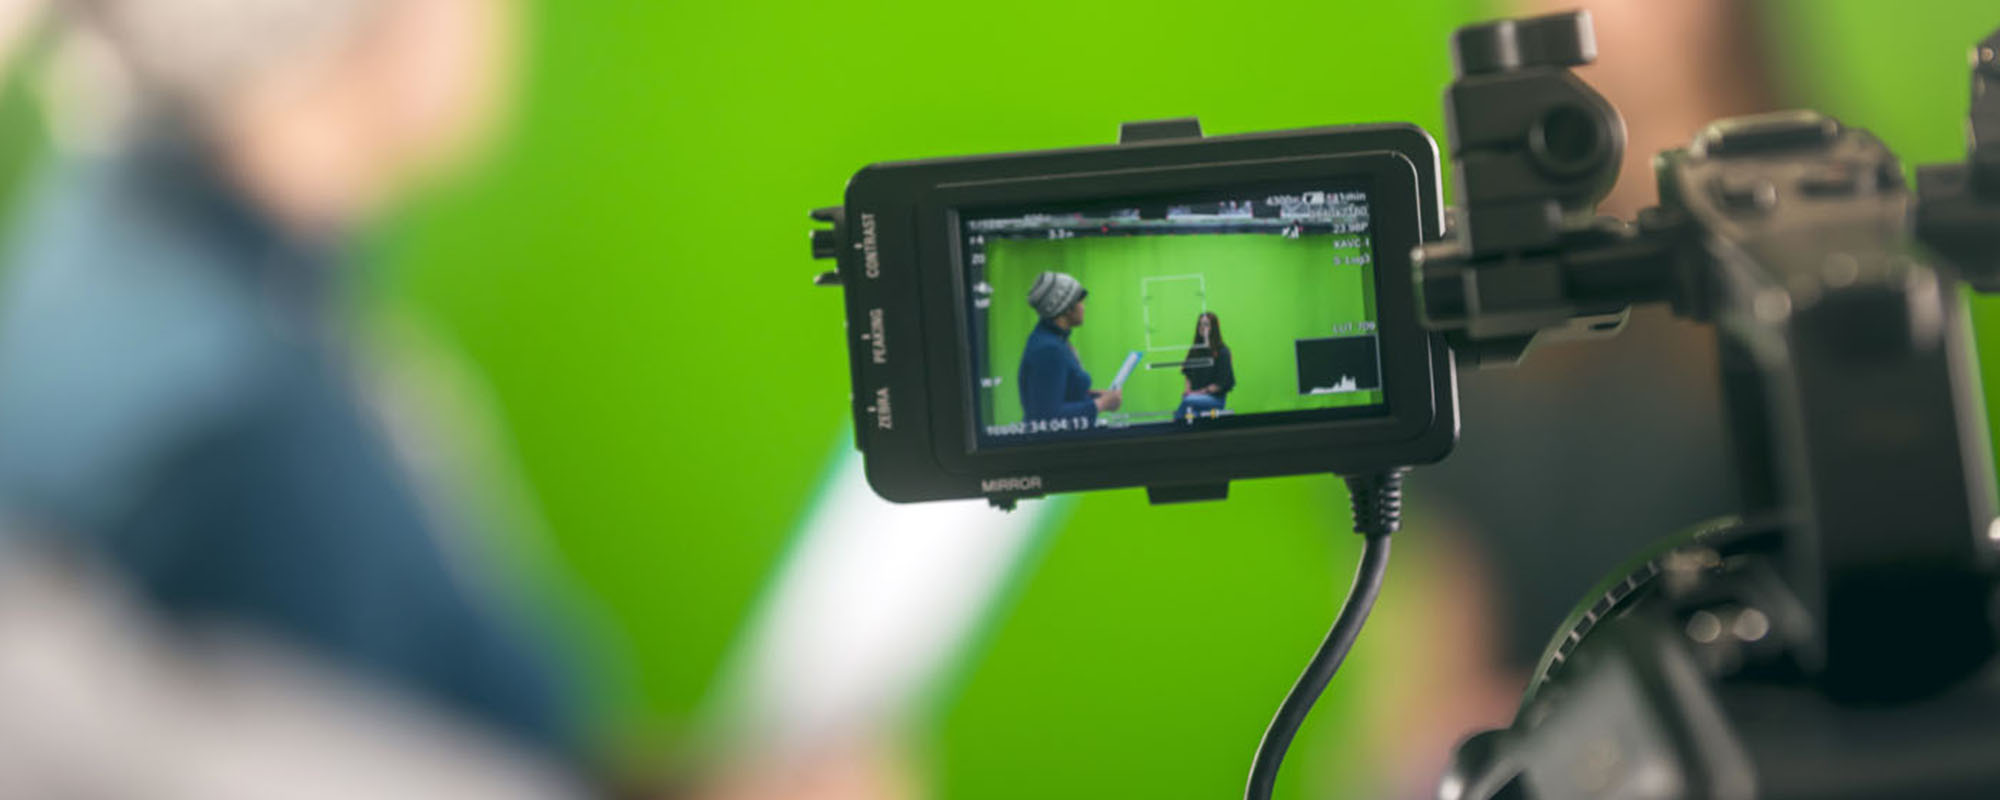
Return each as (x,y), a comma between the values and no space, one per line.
(1856,419)
(1830,642)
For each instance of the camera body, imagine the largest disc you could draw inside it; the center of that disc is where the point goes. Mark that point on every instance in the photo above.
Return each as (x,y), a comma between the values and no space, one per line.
(1298,241)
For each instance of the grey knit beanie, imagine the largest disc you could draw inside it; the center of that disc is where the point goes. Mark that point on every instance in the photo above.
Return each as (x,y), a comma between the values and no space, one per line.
(1053,293)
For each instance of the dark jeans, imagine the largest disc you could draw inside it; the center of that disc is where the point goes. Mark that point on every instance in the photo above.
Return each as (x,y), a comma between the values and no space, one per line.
(1195,406)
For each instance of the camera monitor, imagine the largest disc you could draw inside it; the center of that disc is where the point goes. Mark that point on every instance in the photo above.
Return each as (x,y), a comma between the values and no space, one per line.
(1172,314)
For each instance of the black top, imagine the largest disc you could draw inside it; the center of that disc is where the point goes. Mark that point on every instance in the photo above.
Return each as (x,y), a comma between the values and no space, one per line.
(1221,372)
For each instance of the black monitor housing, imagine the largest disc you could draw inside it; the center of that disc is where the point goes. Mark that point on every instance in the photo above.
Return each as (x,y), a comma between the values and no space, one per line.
(900,245)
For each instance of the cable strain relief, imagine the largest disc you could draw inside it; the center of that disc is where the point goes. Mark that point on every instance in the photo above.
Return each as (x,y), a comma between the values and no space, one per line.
(1378,501)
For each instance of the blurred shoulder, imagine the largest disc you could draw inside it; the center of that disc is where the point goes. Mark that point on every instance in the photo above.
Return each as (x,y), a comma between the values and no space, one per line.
(121,332)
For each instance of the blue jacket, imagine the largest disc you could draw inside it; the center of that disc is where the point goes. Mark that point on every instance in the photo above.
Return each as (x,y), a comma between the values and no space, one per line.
(1053,383)
(173,396)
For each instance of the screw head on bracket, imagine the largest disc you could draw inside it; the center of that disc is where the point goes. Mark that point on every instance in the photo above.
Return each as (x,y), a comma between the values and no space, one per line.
(1569,140)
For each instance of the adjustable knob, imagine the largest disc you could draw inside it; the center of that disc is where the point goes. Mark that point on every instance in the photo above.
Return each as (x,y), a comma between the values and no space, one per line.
(825,243)
(1556,40)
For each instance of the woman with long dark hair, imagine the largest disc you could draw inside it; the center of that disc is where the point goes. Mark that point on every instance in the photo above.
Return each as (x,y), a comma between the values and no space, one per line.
(1209,370)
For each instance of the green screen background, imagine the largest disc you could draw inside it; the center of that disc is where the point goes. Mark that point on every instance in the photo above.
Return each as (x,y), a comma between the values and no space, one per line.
(1265,290)
(656,191)
(653,197)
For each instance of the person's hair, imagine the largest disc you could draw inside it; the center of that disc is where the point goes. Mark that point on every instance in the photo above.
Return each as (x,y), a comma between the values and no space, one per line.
(1213,346)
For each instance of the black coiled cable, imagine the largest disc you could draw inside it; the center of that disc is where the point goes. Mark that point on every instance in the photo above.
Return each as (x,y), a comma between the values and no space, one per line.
(1378,510)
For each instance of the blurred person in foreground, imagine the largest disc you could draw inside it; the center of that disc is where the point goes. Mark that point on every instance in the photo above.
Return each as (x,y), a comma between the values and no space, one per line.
(176,400)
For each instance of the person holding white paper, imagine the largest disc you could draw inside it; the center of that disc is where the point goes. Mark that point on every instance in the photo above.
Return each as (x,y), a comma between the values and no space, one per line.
(1053,382)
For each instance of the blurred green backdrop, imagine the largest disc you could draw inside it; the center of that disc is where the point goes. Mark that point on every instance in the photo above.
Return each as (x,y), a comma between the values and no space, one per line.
(630,277)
